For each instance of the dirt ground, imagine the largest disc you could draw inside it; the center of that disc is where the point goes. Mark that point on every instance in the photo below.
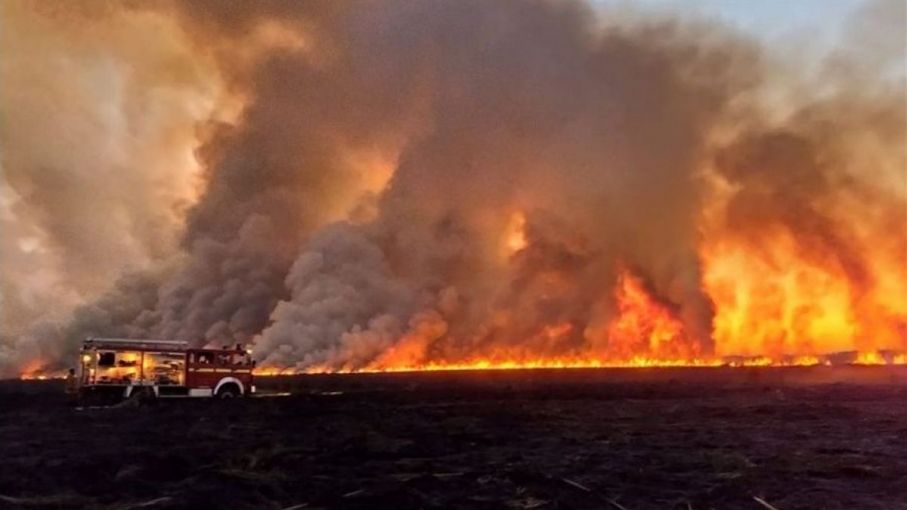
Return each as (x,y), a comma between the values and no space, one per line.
(685,439)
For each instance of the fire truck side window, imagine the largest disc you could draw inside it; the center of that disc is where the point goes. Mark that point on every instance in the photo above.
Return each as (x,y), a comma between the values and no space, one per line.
(106,359)
(203,358)
(223,359)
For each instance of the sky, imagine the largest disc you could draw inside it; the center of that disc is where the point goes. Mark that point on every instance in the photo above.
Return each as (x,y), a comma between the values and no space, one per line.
(766,19)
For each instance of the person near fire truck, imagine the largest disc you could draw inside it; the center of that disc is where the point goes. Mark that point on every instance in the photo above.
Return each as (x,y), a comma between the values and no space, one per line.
(72,385)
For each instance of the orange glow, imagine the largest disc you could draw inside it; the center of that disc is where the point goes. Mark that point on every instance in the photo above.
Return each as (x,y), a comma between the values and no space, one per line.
(37,370)
(515,238)
(867,358)
(775,301)
(41,376)
(646,333)
(271,372)
(876,358)
(775,305)
(645,326)
(512,364)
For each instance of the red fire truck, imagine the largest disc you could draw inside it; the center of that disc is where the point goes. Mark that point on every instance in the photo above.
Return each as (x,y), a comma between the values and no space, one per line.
(114,368)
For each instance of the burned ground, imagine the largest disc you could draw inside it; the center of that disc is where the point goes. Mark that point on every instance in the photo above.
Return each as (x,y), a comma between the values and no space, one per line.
(711,438)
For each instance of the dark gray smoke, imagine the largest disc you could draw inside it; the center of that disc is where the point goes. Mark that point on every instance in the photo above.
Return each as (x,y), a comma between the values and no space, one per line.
(355,211)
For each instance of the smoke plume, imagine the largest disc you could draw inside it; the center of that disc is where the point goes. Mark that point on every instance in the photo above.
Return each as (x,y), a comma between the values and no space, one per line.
(370,185)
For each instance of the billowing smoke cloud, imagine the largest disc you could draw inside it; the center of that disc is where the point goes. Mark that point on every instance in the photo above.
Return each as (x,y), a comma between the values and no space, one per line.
(416,182)
(595,135)
(99,110)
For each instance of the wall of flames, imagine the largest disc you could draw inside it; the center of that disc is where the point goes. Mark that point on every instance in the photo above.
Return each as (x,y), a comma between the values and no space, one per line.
(772,308)
(769,312)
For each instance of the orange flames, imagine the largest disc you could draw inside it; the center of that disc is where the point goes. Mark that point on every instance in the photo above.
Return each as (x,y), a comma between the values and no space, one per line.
(36,372)
(863,358)
(774,301)
(647,333)
(644,325)
(773,307)
(40,375)
(783,314)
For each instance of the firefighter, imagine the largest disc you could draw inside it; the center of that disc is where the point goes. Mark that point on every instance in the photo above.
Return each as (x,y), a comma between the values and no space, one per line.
(72,385)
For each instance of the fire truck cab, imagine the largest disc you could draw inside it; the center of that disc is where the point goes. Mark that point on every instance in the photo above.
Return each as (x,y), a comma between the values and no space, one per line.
(122,368)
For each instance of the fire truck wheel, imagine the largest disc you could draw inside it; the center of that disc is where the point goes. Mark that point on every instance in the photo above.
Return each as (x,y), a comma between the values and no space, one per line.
(144,396)
(228,391)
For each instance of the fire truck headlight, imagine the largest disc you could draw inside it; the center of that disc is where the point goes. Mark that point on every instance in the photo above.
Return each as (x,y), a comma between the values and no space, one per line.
(86,358)
(253,388)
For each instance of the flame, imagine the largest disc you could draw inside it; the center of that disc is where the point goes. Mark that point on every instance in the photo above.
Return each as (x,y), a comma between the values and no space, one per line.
(864,358)
(644,325)
(646,333)
(773,301)
(876,358)
(527,364)
(271,372)
(780,314)
(41,376)
(515,235)
(774,305)
(36,370)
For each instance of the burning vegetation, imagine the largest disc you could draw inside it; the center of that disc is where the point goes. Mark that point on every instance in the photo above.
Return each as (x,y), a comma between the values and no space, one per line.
(386,186)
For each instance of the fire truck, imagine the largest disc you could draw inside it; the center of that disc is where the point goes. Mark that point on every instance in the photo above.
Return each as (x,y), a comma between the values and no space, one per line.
(118,368)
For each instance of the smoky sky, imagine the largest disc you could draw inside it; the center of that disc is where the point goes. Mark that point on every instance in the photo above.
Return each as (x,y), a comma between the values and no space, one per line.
(335,181)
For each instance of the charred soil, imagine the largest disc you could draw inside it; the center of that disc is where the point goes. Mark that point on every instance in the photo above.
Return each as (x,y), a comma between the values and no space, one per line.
(713,438)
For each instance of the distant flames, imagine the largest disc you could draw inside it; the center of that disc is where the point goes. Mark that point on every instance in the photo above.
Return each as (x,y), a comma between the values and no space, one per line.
(644,325)
(37,371)
(791,315)
(40,377)
(863,359)
(871,358)
(767,314)
(785,304)
(646,333)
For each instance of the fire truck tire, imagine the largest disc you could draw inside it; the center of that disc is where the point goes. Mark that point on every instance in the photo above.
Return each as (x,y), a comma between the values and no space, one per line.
(143,396)
(228,391)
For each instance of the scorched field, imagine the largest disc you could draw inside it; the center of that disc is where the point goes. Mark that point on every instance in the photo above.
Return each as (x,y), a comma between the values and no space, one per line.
(761,438)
